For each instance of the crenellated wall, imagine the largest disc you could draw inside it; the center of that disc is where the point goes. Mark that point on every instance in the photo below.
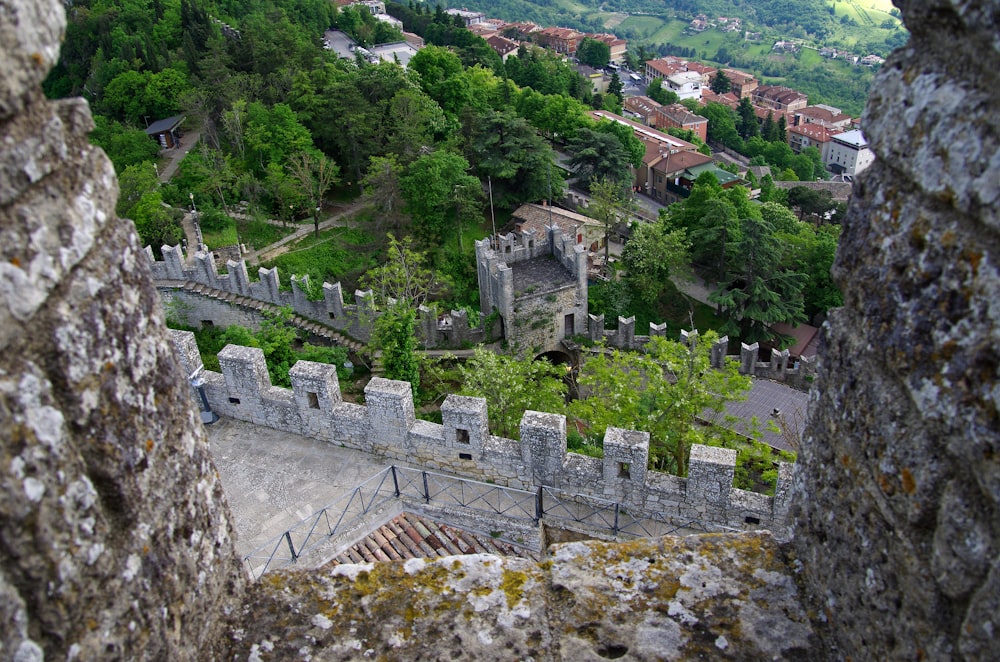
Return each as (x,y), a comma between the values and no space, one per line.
(188,285)
(386,425)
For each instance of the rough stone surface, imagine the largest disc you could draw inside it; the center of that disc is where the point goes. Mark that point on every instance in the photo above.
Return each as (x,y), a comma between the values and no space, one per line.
(897,496)
(116,540)
(708,597)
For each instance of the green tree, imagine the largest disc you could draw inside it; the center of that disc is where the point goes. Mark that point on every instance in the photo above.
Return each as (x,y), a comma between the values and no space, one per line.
(512,386)
(658,93)
(748,124)
(394,337)
(315,174)
(404,277)
(721,83)
(610,204)
(651,256)
(429,187)
(598,155)
(665,391)
(593,53)
(519,162)
(616,87)
(124,146)
(722,125)
(759,291)
(381,183)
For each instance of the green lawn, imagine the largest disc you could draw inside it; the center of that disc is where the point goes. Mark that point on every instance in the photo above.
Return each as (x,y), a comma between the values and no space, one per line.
(340,254)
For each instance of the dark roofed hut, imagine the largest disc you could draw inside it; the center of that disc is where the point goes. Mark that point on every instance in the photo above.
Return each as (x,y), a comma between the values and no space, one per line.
(167,131)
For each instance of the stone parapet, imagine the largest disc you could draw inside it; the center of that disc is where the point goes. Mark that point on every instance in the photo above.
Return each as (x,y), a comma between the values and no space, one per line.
(461,444)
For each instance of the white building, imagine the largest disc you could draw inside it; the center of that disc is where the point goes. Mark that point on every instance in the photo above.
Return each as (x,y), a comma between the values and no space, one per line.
(849,153)
(686,84)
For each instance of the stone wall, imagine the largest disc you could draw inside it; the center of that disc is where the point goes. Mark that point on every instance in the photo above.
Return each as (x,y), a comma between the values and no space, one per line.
(897,515)
(116,537)
(356,320)
(386,425)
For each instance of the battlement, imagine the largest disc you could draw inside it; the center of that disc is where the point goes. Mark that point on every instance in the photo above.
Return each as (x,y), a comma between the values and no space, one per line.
(354,319)
(462,444)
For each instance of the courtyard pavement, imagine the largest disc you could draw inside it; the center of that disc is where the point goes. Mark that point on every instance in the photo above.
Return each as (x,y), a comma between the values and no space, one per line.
(274,479)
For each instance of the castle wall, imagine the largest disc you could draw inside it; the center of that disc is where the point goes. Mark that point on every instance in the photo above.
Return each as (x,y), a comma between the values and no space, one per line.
(386,425)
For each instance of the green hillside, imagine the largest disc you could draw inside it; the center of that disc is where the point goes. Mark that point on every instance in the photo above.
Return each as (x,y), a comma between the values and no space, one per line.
(858,26)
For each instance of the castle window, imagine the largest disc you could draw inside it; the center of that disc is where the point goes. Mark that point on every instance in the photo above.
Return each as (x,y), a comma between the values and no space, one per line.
(749,519)
(624,470)
(313,399)
(465,456)
(462,435)
(333,315)
(234,401)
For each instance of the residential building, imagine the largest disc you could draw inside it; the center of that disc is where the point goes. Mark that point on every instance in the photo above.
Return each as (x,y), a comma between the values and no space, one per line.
(872,60)
(468,17)
(560,40)
(597,79)
(777,97)
(668,173)
(707,71)
(823,115)
(642,108)
(849,153)
(727,99)
(677,116)
(617,45)
(811,135)
(685,84)
(503,46)
(376,7)
(663,67)
(587,231)
(740,83)
(413,39)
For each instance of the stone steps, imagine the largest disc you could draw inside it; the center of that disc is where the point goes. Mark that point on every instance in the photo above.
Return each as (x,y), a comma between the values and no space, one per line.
(309,325)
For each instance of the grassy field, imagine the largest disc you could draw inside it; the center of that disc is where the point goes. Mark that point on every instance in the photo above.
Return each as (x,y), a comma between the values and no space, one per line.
(339,254)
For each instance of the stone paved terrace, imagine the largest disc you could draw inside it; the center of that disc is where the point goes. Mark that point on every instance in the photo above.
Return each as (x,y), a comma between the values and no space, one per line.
(544,273)
(275,479)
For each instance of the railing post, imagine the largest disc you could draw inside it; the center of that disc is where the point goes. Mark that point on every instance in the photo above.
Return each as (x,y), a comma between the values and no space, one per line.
(291,547)
(427,492)
(395,481)
(616,519)
(539,505)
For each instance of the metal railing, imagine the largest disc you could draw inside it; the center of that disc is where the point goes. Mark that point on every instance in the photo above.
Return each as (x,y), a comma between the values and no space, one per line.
(407,485)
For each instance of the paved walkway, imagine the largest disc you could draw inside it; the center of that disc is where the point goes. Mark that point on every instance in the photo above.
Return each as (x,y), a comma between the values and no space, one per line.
(275,479)
(172,157)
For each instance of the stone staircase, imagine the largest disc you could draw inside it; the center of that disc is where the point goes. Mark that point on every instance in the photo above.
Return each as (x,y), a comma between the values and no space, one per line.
(410,536)
(306,324)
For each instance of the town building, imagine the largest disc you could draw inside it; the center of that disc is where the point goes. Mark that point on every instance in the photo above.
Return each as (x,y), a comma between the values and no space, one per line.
(641,108)
(678,116)
(778,97)
(823,115)
(167,131)
(616,45)
(503,46)
(811,135)
(663,67)
(849,153)
(685,84)
(560,40)
(596,78)
(741,83)
(468,17)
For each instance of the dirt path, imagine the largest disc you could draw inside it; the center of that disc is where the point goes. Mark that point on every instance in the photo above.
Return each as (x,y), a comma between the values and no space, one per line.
(337,220)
